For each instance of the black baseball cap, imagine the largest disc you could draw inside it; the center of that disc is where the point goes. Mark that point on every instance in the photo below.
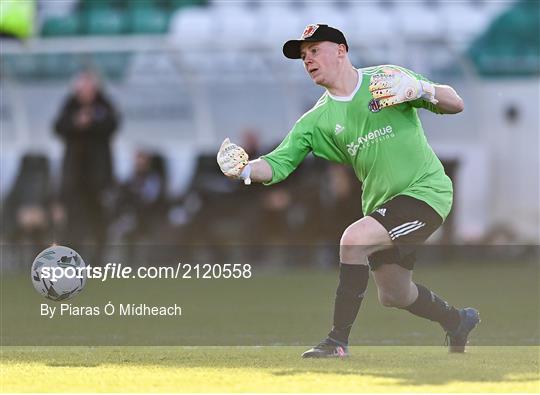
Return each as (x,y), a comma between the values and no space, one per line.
(312,33)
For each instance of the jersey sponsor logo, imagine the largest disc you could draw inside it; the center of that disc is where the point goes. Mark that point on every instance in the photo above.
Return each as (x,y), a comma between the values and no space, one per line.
(374,105)
(381,211)
(339,129)
(309,31)
(371,138)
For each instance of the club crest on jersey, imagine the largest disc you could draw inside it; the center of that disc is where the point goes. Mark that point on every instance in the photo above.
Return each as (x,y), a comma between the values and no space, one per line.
(374,105)
(309,31)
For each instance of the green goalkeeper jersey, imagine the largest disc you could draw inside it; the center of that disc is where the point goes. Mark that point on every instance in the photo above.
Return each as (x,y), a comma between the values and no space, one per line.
(386,147)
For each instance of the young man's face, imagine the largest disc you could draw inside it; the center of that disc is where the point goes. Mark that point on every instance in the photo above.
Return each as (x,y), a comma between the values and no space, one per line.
(321,60)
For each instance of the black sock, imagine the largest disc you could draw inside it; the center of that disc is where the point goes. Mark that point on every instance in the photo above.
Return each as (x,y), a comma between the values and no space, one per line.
(431,306)
(353,280)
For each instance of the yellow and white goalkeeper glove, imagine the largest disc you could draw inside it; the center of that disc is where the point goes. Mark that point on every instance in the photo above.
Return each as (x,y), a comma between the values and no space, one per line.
(394,86)
(234,161)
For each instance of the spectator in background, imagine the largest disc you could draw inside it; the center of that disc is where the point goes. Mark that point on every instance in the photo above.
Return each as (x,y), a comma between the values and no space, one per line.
(141,208)
(142,202)
(339,201)
(251,142)
(86,124)
(27,214)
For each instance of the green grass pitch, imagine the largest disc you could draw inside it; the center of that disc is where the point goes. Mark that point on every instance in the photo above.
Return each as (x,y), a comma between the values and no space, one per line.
(248,336)
(268,369)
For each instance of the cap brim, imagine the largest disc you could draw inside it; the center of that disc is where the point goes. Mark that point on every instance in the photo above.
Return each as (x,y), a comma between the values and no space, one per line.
(291,49)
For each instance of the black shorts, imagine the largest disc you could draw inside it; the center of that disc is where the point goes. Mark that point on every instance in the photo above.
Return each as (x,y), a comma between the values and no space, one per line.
(409,223)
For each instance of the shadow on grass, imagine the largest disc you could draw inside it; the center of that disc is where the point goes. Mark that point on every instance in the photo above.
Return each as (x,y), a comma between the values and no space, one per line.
(485,364)
(405,377)
(407,365)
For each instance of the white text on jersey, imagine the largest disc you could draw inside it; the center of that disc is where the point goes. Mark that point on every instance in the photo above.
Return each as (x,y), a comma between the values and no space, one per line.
(370,138)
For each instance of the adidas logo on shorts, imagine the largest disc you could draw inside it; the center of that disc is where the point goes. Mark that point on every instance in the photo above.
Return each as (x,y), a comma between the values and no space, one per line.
(405,229)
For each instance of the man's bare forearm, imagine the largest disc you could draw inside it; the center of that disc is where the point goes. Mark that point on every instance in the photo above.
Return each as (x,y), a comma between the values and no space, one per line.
(260,170)
(449,101)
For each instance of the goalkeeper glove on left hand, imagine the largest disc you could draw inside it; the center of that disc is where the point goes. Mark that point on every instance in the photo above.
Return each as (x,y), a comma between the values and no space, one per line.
(395,86)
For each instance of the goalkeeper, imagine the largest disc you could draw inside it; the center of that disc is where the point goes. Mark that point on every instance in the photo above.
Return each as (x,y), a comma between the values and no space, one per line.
(367,118)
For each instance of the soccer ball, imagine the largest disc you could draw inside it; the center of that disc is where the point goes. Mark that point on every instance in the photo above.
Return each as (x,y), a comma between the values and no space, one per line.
(54,273)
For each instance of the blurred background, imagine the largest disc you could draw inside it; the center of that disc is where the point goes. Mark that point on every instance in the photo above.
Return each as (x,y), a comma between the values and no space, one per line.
(112,113)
